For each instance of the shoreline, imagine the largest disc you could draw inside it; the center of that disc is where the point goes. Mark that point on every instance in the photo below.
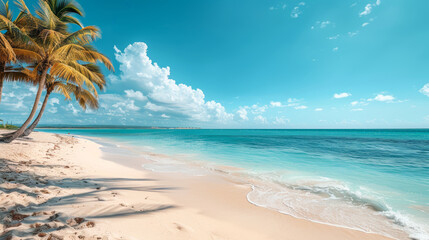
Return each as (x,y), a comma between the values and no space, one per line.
(176,207)
(226,172)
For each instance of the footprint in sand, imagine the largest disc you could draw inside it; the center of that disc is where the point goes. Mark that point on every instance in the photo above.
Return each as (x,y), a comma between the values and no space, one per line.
(179,227)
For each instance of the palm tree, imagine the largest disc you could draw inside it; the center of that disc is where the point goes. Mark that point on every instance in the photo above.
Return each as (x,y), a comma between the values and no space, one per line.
(85,98)
(51,49)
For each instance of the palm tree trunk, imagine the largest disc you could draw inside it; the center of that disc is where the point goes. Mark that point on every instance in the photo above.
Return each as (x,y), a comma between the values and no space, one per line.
(30,129)
(21,130)
(2,69)
(1,86)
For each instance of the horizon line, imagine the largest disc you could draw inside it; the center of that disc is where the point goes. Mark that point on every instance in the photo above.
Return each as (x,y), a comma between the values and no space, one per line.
(201,128)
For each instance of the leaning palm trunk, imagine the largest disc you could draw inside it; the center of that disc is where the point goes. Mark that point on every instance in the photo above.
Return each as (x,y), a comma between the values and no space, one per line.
(2,69)
(1,86)
(30,129)
(21,130)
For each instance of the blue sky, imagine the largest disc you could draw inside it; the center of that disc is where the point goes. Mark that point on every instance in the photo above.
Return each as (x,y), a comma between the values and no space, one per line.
(254,64)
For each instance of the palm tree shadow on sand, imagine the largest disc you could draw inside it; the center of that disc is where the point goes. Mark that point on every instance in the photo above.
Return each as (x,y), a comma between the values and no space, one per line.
(46,194)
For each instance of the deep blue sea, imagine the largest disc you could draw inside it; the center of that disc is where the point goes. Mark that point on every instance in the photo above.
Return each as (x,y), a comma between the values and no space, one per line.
(372,180)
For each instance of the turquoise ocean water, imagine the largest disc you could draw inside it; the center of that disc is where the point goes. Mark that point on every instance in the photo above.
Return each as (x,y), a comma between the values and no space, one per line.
(371,180)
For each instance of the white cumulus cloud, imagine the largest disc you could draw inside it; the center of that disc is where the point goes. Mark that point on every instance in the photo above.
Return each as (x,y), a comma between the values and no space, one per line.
(425,89)
(383,98)
(342,95)
(164,95)
(54,101)
(72,109)
(275,104)
(135,94)
(127,104)
(33,89)
(242,113)
(117,105)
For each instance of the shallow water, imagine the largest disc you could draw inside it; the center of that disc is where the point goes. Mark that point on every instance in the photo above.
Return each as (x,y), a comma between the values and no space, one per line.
(372,180)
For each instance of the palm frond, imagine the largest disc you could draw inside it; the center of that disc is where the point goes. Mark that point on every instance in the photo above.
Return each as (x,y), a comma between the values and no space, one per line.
(27,56)
(87,99)
(68,51)
(70,19)
(25,19)
(45,13)
(62,89)
(63,9)
(22,6)
(69,7)
(76,52)
(49,19)
(19,76)
(96,70)
(68,73)
(95,56)
(50,38)
(83,36)
(18,35)
(91,75)
(5,10)
(6,50)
